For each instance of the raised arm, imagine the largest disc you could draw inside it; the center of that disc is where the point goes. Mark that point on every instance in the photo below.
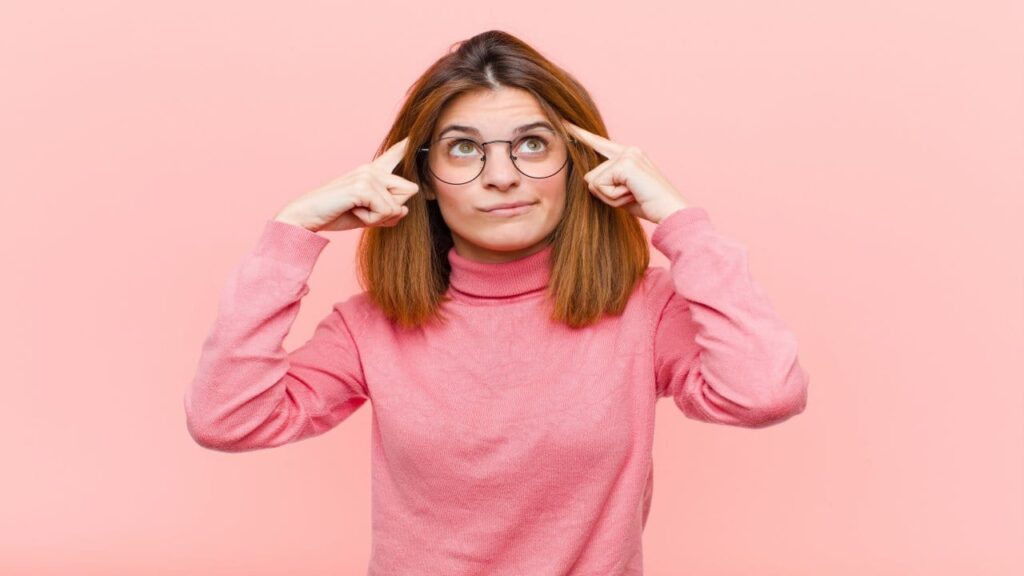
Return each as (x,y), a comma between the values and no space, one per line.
(720,351)
(248,392)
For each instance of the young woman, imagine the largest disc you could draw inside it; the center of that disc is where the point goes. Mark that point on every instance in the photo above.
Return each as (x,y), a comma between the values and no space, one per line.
(511,337)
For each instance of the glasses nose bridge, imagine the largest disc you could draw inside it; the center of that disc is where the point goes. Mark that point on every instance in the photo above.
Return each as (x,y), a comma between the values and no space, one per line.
(483,146)
(486,160)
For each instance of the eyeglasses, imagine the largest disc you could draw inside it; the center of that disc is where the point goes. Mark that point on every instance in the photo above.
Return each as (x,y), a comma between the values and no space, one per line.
(459,160)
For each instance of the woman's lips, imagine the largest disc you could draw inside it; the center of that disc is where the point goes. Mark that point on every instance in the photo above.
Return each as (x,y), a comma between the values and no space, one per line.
(511,211)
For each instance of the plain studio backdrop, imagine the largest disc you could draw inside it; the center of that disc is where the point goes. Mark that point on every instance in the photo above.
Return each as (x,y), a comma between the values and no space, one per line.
(869,154)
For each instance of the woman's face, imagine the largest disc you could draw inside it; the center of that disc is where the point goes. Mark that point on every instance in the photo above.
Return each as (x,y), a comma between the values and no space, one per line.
(492,236)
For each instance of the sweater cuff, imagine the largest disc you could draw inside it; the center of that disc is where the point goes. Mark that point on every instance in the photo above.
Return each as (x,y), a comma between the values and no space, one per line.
(682,220)
(289,243)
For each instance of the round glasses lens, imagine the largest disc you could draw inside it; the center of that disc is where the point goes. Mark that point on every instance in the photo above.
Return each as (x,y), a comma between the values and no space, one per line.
(458,159)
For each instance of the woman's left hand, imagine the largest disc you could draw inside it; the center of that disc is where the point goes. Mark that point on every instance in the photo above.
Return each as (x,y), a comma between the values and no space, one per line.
(628,179)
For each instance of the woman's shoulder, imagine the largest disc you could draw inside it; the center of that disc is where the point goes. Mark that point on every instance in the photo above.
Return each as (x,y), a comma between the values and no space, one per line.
(358,311)
(656,288)
(357,306)
(656,280)
(362,313)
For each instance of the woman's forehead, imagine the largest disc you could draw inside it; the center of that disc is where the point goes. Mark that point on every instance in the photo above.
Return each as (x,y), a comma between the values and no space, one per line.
(502,110)
(529,127)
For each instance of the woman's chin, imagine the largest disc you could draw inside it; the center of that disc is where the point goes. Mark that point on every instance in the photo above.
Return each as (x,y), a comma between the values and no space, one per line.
(509,246)
(497,250)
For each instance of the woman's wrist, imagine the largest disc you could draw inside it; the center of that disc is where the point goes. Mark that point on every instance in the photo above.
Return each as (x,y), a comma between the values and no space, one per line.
(289,219)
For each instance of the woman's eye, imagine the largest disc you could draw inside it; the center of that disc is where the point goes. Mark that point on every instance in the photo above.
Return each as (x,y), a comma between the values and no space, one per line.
(533,144)
(463,147)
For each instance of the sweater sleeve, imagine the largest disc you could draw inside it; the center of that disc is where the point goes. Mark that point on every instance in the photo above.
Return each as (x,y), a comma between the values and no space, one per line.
(248,392)
(720,351)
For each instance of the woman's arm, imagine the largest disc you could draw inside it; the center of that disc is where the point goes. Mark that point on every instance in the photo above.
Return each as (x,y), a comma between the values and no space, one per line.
(720,351)
(248,392)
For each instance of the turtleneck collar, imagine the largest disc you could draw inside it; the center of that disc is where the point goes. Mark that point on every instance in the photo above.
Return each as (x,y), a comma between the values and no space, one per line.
(501,279)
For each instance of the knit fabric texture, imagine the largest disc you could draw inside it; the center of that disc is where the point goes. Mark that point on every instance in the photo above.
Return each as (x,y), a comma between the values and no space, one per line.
(502,443)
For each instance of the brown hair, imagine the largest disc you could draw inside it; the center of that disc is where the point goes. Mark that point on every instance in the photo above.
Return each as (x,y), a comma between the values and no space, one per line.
(599,252)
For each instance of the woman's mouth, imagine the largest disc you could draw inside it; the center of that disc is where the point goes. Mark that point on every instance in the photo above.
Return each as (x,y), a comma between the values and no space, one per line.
(513,211)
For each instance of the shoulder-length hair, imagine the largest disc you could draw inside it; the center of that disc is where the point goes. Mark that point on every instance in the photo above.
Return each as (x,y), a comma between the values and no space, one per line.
(599,252)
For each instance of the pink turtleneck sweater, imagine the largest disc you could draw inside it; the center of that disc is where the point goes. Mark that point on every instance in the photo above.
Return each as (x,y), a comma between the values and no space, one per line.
(502,443)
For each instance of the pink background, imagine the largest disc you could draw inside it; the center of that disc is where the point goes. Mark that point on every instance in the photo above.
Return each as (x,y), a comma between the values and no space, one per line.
(868,153)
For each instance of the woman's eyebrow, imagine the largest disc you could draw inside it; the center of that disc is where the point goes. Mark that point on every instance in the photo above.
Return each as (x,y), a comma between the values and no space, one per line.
(472,130)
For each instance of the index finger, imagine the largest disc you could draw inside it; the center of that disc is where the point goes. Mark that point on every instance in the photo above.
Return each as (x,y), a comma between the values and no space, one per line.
(391,157)
(604,146)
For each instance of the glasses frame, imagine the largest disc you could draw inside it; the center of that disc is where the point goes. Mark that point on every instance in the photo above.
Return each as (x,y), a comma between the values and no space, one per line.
(483,159)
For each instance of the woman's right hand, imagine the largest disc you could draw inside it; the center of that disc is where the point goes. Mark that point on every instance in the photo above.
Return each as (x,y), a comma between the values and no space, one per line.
(370,195)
